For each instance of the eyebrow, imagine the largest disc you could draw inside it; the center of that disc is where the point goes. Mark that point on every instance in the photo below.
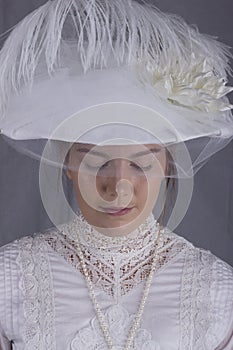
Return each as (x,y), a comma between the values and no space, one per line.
(105,155)
(96,153)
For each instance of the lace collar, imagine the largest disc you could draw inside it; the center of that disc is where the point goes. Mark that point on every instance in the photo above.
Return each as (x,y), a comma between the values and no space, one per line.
(90,238)
(116,264)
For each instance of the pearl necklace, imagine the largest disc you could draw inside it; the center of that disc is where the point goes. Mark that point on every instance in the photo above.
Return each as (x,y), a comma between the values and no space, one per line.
(99,313)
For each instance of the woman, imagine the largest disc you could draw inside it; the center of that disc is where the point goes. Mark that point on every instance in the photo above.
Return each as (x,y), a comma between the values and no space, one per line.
(132,102)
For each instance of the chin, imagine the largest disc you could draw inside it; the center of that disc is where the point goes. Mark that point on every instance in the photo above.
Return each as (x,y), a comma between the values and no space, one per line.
(125,223)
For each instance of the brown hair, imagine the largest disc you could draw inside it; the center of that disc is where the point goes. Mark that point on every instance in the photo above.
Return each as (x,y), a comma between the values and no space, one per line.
(171,183)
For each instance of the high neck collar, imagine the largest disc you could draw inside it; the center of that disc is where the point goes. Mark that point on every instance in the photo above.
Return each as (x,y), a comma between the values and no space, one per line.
(135,240)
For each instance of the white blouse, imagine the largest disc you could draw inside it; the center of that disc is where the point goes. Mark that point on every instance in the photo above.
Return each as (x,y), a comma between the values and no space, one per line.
(45,305)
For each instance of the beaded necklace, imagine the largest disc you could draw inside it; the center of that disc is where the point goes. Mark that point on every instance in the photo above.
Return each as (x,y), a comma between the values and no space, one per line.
(98,311)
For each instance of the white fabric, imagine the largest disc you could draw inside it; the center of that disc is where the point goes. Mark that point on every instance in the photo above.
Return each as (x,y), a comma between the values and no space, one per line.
(68,109)
(44,303)
(67,69)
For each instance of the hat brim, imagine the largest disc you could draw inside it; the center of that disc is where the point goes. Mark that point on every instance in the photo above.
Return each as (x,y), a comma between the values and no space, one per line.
(37,111)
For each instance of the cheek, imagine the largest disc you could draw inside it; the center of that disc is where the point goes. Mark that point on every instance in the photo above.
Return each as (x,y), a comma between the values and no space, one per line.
(148,191)
(141,189)
(76,186)
(86,190)
(161,165)
(80,184)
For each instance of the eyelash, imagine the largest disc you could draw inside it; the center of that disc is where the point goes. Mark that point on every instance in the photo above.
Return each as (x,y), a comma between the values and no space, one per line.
(105,164)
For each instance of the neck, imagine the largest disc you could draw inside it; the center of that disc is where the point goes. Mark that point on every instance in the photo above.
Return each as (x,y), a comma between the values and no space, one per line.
(119,231)
(136,239)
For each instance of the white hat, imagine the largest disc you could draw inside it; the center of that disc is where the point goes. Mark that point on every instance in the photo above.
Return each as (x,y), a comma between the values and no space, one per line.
(71,67)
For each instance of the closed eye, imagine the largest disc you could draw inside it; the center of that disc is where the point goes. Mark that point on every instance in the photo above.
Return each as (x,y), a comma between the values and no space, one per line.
(141,168)
(103,166)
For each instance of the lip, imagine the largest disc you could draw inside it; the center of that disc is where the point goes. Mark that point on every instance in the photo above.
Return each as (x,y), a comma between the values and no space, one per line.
(117,211)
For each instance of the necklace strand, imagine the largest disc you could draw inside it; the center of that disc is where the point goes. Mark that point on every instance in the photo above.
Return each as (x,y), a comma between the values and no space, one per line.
(99,313)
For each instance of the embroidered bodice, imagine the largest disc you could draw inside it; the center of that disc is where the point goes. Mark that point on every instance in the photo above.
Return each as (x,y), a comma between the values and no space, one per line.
(115,264)
(44,302)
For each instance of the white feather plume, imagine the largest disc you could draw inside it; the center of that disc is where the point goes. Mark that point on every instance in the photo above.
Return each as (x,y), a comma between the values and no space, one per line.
(124,28)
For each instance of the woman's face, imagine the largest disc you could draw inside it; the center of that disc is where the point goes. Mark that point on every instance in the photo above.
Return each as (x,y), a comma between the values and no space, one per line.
(116,187)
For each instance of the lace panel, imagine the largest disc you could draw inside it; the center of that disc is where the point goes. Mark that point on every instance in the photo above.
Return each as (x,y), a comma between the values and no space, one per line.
(119,272)
(119,322)
(202,299)
(195,298)
(36,286)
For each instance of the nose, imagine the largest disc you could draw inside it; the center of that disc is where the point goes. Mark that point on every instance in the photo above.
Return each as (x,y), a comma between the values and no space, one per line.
(120,169)
(119,181)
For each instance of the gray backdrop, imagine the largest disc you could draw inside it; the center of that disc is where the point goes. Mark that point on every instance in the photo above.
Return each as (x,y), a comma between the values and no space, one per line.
(209,220)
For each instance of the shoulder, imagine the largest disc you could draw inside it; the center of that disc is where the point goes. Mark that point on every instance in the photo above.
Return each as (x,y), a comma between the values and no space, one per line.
(8,263)
(220,332)
(212,293)
(20,251)
(9,286)
(10,250)
(25,279)
(20,262)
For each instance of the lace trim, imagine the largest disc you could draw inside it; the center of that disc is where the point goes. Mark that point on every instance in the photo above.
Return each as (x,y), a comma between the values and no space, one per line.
(36,286)
(186,312)
(119,272)
(119,322)
(195,298)
(203,303)
(91,238)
